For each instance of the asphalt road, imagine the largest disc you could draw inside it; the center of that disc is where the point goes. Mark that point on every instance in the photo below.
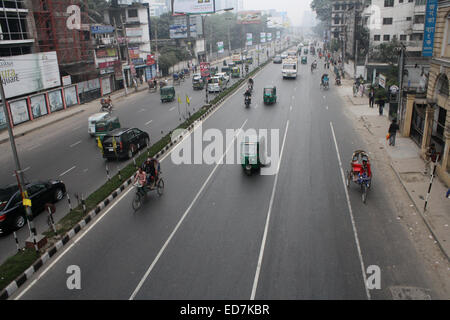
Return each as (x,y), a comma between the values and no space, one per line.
(219,234)
(66,151)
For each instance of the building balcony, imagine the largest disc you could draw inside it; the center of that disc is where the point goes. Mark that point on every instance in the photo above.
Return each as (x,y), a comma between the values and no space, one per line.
(419,9)
(418,27)
(16,42)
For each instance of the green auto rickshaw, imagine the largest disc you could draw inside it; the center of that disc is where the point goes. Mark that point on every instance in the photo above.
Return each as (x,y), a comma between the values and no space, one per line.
(249,60)
(270,95)
(253,155)
(167,93)
(103,127)
(226,70)
(304,60)
(197,82)
(235,72)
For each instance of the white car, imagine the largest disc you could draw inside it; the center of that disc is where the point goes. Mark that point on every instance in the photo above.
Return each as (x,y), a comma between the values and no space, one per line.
(92,120)
(215,84)
(284,55)
(224,76)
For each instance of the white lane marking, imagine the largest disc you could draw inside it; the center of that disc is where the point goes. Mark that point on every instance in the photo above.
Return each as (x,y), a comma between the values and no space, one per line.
(161,251)
(324,97)
(67,171)
(290,108)
(266,228)
(147,123)
(326,107)
(74,144)
(142,110)
(83,233)
(76,128)
(34,147)
(23,170)
(355,233)
(171,108)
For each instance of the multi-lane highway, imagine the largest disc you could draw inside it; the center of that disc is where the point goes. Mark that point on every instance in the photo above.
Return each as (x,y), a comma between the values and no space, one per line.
(66,151)
(219,234)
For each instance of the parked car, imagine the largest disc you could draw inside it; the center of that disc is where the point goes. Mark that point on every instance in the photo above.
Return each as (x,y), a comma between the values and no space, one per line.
(127,142)
(12,211)
(92,120)
(277,59)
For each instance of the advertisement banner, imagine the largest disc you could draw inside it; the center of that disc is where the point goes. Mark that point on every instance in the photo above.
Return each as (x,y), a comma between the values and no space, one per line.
(133,32)
(66,80)
(204,69)
(178,29)
(107,64)
(106,85)
(150,60)
(193,6)
(103,53)
(55,100)
(38,105)
(19,111)
(249,17)
(262,37)
(102,29)
(29,73)
(249,39)
(430,25)
(70,95)
(220,48)
(118,72)
(133,52)
(275,22)
(269,37)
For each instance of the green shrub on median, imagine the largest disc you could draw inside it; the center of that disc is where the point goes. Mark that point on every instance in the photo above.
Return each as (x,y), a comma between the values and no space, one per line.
(21,261)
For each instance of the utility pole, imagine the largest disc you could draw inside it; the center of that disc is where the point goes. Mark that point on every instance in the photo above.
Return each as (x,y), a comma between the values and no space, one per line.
(128,49)
(229,38)
(356,57)
(19,172)
(401,71)
(120,58)
(156,50)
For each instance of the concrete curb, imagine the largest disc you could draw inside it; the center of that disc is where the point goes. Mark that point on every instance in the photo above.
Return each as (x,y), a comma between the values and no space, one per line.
(42,126)
(421,214)
(27,274)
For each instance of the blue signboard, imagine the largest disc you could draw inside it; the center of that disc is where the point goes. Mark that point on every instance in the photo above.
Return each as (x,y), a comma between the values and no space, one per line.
(430,25)
(102,29)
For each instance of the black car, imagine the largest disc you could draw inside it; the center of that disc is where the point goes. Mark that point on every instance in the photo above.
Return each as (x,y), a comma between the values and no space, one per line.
(128,142)
(12,212)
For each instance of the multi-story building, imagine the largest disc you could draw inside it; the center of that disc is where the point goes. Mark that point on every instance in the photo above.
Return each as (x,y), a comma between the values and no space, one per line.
(436,125)
(131,18)
(17,32)
(338,10)
(159,7)
(402,20)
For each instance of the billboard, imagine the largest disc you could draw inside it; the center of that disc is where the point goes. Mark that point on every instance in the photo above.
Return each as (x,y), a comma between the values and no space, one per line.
(278,34)
(178,28)
(249,39)
(220,47)
(262,37)
(29,73)
(102,29)
(249,17)
(274,22)
(429,28)
(269,37)
(193,6)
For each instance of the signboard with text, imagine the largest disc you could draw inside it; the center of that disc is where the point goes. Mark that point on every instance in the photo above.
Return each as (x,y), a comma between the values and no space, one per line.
(249,17)
(430,25)
(193,6)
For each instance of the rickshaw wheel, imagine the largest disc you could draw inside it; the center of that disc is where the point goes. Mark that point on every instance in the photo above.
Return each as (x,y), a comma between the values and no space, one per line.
(364,193)
(160,187)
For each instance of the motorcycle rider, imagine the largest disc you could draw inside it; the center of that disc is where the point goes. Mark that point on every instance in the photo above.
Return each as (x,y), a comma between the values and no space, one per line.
(248,96)
(324,79)
(338,79)
(107,104)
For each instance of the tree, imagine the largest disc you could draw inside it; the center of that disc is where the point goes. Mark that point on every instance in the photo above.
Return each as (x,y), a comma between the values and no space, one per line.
(322,9)
(386,52)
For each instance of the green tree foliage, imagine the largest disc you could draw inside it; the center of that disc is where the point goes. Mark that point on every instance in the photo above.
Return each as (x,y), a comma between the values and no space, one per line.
(386,52)
(322,9)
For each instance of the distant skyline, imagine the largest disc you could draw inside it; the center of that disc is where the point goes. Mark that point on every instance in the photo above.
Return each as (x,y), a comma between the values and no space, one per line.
(294,8)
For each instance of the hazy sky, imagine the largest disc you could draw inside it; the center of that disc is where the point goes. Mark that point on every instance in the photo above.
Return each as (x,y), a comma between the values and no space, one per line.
(295,8)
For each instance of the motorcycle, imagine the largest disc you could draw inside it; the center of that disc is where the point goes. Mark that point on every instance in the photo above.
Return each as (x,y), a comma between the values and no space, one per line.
(247,101)
(325,85)
(106,107)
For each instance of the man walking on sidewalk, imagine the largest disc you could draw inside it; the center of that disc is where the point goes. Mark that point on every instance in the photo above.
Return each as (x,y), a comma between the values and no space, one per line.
(381,103)
(430,158)
(393,128)
(371,98)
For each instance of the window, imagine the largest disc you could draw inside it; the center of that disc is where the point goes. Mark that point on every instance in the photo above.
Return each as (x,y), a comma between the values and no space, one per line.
(386,37)
(388,3)
(416,37)
(410,1)
(408,18)
(387,20)
(419,18)
(445,51)
(421,2)
(403,37)
(376,37)
(442,85)
(400,1)
(132,13)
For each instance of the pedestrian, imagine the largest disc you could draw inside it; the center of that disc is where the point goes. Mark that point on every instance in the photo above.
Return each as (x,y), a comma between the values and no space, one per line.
(381,103)
(361,89)
(371,97)
(430,158)
(393,128)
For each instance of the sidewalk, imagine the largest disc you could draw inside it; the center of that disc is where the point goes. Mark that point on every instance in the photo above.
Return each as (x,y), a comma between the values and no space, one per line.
(408,166)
